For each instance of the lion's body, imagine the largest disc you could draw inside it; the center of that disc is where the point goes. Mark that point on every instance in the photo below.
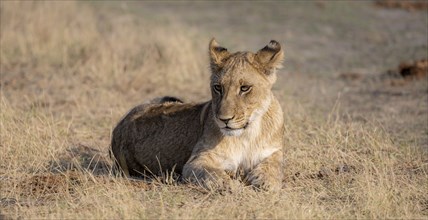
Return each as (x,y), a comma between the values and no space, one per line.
(239,131)
(152,136)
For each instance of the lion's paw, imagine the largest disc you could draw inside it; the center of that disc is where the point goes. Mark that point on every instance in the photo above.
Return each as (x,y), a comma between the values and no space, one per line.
(264,182)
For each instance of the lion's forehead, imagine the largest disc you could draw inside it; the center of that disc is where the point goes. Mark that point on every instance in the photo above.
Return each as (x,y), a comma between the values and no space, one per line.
(241,77)
(239,70)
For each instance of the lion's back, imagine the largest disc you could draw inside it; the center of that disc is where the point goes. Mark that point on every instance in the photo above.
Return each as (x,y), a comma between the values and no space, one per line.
(158,132)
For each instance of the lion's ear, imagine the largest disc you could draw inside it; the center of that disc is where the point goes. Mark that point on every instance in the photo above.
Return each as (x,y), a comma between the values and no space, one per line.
(218,54)
(271,56)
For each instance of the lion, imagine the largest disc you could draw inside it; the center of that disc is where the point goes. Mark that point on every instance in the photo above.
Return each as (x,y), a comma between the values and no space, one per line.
(239,132)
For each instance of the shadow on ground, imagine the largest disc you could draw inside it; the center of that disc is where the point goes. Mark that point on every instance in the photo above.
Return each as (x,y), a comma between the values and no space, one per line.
(80,157)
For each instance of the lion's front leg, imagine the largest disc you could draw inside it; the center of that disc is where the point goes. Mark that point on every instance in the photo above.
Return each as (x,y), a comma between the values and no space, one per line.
(268,174)
(204,170)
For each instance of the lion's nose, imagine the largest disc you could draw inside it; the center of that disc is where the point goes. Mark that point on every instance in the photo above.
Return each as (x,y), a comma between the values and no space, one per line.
(225,119)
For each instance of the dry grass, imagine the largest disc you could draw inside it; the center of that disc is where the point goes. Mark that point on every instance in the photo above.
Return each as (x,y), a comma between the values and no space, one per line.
(67,75)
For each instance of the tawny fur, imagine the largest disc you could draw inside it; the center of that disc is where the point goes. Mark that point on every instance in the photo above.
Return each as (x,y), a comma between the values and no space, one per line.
(239,131)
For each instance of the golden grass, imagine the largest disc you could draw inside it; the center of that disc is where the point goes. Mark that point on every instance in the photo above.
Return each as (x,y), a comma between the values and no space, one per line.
(68,73)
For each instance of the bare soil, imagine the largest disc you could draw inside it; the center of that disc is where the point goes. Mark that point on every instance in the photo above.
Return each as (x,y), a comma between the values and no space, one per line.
(406,5)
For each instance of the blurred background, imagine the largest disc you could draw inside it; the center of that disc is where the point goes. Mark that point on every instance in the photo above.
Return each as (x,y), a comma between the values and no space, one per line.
(84,58)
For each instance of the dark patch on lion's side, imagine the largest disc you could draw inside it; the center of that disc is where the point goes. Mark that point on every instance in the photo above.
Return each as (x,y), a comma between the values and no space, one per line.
(164,99)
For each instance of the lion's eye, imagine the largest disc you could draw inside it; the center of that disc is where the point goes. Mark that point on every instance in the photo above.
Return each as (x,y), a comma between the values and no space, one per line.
(245,88)
(217,88)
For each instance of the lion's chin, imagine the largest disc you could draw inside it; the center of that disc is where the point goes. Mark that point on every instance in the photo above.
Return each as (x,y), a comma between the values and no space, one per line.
(232,132)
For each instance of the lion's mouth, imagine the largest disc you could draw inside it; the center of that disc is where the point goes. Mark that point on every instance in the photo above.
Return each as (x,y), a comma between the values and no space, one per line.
(229,131)
(227,128)
(232,128)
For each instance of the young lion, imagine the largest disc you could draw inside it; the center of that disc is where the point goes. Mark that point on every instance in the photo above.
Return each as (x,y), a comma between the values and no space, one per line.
(239,131)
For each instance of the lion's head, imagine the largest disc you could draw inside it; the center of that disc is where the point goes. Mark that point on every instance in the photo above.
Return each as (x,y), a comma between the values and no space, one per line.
(241,85)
